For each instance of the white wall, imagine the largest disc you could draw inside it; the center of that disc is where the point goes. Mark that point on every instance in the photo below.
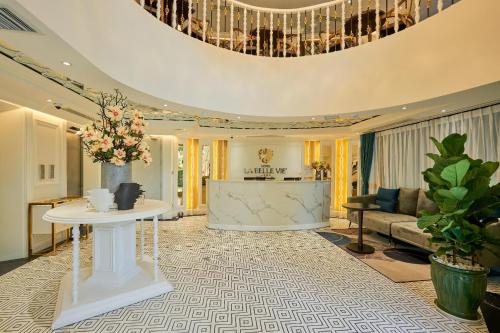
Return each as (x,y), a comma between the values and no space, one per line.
(30,139)
(150,176)
(91,174)
(419,63)
(13,197)
(46,137)
(287,153)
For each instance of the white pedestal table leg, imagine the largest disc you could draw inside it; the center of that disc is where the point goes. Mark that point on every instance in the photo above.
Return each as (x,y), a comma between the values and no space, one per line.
(155,247)
(76,262)
(142,239)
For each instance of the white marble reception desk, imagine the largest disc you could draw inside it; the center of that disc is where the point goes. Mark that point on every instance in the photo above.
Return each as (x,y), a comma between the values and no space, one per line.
(268,205)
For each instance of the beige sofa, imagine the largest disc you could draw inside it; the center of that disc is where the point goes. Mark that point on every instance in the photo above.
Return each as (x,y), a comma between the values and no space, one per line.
(402,224)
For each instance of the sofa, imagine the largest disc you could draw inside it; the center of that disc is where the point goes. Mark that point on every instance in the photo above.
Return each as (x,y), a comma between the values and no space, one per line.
(402,224)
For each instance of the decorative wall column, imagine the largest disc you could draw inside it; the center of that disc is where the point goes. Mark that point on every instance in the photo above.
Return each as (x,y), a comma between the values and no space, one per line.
(340,174)
(312,152)
(191,173)
(219,160)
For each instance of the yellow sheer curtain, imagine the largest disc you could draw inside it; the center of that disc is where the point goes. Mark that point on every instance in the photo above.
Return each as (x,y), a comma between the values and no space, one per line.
(312,152)
(340,174)
(191,169)
(219,159)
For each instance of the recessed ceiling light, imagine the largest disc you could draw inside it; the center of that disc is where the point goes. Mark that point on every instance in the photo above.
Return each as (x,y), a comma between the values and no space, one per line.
(313,118)
(443,110)
(404,107)
(66,63)
(239,117)
(165,105)
(49,100)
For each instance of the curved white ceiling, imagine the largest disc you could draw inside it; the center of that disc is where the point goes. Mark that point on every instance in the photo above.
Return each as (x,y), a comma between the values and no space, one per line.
(283,3)
(420,63)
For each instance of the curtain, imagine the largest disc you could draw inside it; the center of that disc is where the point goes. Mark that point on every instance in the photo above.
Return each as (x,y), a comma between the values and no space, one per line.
(312,152)
(366,158)
(192,165)
(399,154)
(219,159)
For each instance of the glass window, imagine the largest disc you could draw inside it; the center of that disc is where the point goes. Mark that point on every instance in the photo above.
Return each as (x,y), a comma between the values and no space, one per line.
(180,173)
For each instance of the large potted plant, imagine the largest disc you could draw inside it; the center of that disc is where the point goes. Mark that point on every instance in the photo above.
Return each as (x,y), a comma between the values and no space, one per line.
(115,140)
(460,187)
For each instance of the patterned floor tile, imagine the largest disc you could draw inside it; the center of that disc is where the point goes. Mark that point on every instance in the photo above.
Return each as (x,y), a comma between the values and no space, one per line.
(229,281)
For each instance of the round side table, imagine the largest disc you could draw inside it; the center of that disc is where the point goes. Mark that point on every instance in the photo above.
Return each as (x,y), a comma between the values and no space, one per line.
(359,247)
(117,277)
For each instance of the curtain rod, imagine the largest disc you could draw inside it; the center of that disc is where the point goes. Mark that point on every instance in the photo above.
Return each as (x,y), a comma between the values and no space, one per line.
(476,107)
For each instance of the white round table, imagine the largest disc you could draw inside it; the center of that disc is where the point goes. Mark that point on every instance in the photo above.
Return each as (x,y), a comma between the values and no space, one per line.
(116,278)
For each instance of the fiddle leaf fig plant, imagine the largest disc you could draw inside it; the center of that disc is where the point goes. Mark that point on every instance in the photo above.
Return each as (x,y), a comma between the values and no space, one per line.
(460,187)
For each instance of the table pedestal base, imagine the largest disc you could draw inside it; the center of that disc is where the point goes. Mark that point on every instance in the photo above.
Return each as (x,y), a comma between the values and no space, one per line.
(98,295)
(364,249)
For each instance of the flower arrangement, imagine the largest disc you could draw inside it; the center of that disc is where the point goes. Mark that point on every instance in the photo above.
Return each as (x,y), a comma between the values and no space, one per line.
(320,166)
(118,137)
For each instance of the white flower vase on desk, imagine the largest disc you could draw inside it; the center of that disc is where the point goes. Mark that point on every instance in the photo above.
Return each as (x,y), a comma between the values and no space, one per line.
(113,175)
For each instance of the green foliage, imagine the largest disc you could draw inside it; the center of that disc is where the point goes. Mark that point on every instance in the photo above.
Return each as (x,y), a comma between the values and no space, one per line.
(460,187)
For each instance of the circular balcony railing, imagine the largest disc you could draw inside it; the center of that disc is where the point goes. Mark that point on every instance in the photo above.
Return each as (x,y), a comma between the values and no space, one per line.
(323,28)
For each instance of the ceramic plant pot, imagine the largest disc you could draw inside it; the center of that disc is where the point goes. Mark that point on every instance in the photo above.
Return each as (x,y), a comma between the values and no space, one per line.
(490,308)
(459,291)
(112,175)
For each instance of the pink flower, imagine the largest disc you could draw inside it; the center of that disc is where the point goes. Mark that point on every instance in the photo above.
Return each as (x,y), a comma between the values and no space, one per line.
(114,113)
(137,125)
(89,135)
(119,153)
(129,141)
(122,131)
(106,143)
(137,114)
(116,161)
(146,157)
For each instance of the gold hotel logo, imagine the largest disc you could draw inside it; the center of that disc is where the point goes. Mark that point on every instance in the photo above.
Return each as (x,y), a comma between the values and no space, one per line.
(265,155)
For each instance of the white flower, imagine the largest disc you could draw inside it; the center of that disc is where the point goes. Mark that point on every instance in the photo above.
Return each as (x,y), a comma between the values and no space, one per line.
(119,153)
(116,161)
(106,143)
(137,114)
(122,131)
(114,113)
(129,141)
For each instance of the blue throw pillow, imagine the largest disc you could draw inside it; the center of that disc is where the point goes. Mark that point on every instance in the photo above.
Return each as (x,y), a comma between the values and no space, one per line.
(387,199)
(386,206)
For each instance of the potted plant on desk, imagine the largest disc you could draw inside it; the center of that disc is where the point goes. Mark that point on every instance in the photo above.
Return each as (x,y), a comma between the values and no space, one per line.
(460,187)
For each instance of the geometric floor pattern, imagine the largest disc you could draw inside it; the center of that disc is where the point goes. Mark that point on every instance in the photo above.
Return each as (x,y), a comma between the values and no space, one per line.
(228,281)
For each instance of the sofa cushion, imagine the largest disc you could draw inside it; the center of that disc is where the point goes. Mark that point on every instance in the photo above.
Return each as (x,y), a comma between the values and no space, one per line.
(387,199)
(423,203)
(407,201)
(381,221)
(410,233)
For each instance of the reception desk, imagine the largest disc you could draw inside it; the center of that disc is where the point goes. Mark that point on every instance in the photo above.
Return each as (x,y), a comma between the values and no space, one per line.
(268,205)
